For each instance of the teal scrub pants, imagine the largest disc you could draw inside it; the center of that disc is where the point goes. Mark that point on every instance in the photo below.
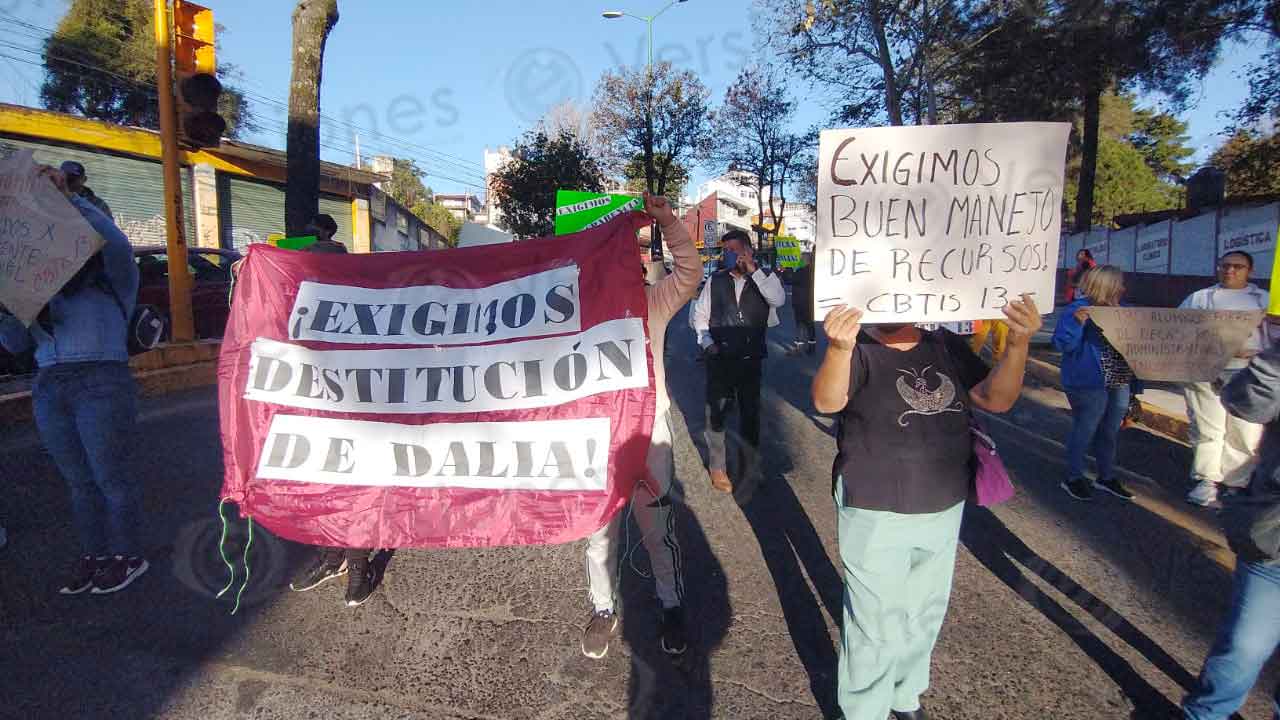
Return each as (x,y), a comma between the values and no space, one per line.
(897,582)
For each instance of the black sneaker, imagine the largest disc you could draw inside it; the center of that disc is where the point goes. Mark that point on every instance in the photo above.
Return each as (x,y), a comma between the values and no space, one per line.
(327,565)
(82,575)
(1115,487)
(598,632)
(118,573)
(1078,488)
(673,641)
(359,582)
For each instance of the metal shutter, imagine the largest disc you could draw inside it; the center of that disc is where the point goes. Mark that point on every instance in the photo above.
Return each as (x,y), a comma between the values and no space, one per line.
(248,211)
(340,209)
(133,188)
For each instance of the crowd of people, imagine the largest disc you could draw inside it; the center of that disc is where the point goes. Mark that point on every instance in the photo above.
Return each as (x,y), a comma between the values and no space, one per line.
(906,401)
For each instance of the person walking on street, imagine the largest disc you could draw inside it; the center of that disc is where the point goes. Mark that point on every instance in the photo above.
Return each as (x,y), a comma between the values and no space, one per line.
(1250,634)
(651,504)
(904,401)
(1098,383)
(1084,263)
(802,307)
(75,177)
(1225,446)
(732,317)
(334,562)
(85,402)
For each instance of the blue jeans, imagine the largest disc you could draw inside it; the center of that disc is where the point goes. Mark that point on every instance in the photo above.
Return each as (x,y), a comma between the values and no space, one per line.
(86,413)
(1246,640)
(1096,416)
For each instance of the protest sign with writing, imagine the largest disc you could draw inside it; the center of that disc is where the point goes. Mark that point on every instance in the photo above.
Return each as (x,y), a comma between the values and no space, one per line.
(295,243)
(789,254)
(438,399)
(577,210)
(44,239)
(1176,345)
(938,223)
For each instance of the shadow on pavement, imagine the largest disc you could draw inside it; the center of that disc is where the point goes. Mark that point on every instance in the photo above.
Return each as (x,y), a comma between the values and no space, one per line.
(662,687)
(997,548)
(795,557)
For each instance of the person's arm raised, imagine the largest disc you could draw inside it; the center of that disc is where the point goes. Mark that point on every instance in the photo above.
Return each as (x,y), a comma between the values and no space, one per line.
(679,287)
(831,384)
(1000,390)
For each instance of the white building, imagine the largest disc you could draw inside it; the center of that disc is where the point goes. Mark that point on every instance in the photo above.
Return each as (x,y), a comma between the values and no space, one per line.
(494,160)
(735,185)
(799,222)
(465,207)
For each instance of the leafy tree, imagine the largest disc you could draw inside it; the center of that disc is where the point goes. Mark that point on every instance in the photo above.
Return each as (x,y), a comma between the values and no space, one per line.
(407,188)
(660,114)
(1252,163)
(541,164)
(1162,139)
(884,59)
(100,63)
(1263,103)
(752,135)
(1052,54)
(633,175)
(1125,183)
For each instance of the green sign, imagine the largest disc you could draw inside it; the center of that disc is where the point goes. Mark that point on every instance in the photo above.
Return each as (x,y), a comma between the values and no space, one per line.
(789,253)
(577,210)
(296,243)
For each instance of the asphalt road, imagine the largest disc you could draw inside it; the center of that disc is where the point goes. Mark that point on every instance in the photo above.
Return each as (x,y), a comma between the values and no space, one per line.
(1060,609)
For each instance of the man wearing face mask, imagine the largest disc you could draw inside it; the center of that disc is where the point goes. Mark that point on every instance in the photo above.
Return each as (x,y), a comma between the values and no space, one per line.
(732,316)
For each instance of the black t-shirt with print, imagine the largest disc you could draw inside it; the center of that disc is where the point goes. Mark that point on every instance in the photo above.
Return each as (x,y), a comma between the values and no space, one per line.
(903,439)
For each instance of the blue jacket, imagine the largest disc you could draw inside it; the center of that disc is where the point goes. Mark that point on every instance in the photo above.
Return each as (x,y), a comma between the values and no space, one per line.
(88,326)
(1081,348)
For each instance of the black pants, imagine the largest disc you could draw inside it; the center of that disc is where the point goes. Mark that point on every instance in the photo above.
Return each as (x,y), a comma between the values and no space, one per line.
(730,382)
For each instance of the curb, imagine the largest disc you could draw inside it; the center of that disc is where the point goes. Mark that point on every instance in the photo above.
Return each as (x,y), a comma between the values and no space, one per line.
(167,369)
(1158,419)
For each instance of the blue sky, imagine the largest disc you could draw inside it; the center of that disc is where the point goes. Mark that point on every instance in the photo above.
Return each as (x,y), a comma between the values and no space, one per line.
(440,81)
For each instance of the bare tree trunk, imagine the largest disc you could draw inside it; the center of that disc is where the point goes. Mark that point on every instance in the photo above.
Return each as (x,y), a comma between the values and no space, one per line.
(312,22)
(1088,159)
(892,95)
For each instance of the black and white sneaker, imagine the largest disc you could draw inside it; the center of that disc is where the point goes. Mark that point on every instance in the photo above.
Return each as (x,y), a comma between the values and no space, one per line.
(598,633)
(673,640)
(1115,487)
(118,573)
(1078,488)
(82,575)
(359,582)
(327,565)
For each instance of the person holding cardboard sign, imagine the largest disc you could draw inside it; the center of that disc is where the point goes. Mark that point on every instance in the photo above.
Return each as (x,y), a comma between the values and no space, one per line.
(1098,383)
(905,400)
(732,316)
(1225,446)
(85,402)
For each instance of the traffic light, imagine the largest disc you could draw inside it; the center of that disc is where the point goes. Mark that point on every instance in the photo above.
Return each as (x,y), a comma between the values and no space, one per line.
(199,123)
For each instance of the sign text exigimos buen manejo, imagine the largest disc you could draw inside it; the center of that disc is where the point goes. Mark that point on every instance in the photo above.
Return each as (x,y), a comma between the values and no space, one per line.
(938,223)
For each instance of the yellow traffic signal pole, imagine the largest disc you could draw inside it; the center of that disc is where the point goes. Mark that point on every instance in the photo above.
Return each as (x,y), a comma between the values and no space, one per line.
(181,322)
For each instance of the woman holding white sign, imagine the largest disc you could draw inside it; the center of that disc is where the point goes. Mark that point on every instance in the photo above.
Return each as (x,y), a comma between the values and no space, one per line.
(904,399)
(1098,383)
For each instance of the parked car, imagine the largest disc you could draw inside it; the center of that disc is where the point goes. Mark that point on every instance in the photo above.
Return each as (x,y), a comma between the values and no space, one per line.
(210,270)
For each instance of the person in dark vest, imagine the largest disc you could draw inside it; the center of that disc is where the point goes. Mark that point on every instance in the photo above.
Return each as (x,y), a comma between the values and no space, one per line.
(802,306)
(732,316)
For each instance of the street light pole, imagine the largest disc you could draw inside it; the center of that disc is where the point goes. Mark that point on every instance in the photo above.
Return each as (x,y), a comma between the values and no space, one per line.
(655,240)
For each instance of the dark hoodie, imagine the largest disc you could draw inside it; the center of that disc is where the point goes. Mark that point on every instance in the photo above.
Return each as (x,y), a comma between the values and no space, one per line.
(1252,519)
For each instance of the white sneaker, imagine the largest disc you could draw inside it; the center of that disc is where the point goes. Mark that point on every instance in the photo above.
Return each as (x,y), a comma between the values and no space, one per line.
(1204,494)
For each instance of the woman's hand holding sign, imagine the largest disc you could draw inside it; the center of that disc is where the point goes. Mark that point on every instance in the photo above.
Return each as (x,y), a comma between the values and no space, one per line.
(831,384)
(842,326)
(1023,319)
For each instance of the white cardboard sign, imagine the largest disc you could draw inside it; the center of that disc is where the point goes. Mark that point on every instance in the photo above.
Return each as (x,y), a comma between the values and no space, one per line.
(938,223)
(43,238)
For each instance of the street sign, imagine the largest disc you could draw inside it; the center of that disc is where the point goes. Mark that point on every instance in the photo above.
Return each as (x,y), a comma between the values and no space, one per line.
(709,234)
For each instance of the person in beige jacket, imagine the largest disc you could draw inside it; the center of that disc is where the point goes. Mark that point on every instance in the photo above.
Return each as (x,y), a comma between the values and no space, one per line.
(651,502)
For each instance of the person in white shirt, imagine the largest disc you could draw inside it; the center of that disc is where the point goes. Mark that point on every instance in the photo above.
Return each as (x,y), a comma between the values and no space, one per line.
(732,315)
(1225,446)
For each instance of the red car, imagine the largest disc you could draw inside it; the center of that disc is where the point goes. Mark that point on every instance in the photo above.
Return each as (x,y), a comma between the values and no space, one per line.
(210,270)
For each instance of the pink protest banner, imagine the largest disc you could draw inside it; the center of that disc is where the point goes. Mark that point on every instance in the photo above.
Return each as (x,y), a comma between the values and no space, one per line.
(467,397)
